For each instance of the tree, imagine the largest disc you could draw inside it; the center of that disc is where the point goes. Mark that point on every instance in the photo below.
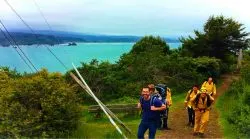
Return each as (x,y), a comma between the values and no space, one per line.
(149,44)
(221,38)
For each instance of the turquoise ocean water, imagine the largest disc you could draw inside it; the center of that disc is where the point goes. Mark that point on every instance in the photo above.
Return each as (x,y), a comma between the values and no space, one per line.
(83,52)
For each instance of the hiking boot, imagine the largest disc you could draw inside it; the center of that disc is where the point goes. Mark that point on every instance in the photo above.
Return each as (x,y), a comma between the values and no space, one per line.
(160,128)
(167,128)
(201,135)
(195,134)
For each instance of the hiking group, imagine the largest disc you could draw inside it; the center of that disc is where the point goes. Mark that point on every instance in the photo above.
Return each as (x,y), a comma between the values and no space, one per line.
(156,100)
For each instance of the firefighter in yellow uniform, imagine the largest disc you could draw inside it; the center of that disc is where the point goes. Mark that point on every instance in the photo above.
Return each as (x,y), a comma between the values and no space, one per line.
(190,106)
(169,103)
(202,105)
(210,86)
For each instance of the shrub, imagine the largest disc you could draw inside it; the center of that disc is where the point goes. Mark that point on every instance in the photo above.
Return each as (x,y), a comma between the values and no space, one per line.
(39,105)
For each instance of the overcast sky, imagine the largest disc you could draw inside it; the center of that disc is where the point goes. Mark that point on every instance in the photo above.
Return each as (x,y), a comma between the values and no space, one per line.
(124,17)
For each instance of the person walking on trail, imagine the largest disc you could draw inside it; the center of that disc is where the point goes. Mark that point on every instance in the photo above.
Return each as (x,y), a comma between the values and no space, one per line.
(210,86)
(202,106)
(164,95)
(150,115)
(154,93)
(169,103)
(190,105)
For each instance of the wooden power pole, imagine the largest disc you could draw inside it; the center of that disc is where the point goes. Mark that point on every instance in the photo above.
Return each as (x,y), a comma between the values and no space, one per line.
(240,57)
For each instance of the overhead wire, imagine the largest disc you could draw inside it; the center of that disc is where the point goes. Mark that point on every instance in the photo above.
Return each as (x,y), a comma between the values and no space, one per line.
(5,36)
(26,24)
(12,38)
(34,33)
(79,81)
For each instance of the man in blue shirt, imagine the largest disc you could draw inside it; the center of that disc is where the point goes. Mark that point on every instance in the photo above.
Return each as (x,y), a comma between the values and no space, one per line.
(151,107)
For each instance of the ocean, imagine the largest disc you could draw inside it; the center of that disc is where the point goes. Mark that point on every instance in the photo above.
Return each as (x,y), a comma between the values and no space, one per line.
(83,52)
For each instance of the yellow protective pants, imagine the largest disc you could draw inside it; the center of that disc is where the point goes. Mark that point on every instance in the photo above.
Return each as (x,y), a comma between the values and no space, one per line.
(201,121)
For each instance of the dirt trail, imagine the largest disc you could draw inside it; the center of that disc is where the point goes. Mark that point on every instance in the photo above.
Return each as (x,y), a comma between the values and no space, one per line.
(178,118)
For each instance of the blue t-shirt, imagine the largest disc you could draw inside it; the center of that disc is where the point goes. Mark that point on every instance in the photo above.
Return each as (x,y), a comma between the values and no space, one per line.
(148,115)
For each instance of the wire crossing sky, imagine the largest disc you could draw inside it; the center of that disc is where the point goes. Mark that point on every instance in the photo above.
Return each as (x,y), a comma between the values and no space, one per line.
(124,17)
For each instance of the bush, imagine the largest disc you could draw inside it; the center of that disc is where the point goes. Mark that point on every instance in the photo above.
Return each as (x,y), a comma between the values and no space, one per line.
(238,114)
(38,105)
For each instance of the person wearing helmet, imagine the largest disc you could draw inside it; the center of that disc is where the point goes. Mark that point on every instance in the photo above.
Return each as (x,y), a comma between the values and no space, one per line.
(202,105)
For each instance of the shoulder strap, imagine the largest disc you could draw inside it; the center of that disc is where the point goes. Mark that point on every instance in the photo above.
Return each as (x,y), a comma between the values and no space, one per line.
(209,102)
(190,91)
(141,100)
(188,95)
(196,100)
(152,100)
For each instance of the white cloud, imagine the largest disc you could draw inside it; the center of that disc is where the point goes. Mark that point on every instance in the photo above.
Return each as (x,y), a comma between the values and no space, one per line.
(136,17)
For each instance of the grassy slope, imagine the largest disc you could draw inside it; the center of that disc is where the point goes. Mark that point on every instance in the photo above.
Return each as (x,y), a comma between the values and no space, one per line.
(89,127)
(224,103)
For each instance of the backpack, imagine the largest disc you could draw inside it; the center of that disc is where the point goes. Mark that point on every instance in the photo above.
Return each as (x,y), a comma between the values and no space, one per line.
(162,89)
(209,101)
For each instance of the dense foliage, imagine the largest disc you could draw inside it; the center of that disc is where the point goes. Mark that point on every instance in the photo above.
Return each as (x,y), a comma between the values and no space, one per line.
(236,106)
(37,105)
(149,61)
(221,38)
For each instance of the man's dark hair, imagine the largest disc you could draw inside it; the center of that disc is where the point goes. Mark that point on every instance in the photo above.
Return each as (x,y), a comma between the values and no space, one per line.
(196,85)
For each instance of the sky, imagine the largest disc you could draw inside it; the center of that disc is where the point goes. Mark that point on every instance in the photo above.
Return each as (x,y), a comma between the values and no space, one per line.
(168,18)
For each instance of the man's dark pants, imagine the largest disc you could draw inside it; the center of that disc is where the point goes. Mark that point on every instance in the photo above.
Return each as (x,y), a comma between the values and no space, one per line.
(144,125)
(191,115)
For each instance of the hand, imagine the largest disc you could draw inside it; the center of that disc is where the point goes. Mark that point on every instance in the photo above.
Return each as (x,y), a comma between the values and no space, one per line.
(139,105)
(209,108)
(167,103)
(153,108)
(196,109)
(185,104)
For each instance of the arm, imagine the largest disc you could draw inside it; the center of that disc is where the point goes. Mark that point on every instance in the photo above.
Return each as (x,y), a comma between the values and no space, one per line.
(169,98)
(163,107)
(214,90)
(139,105)
(158,106)
(210,97)
(187,97)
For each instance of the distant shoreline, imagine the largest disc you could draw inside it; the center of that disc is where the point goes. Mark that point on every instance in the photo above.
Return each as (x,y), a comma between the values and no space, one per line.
(66,44)
(44,38)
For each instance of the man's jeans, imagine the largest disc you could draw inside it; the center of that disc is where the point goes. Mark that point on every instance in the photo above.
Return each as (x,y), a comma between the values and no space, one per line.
(152,126)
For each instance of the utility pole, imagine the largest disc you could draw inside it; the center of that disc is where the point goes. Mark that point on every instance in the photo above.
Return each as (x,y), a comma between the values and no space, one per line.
(240,57)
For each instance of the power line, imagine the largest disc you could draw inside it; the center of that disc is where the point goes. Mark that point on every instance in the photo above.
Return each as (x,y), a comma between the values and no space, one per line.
(16,50)
(18,45)
(105,109)
(34,33)
(46,21)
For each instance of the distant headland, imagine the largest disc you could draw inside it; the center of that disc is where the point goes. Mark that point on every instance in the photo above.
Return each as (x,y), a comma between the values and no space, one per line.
(60,37)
